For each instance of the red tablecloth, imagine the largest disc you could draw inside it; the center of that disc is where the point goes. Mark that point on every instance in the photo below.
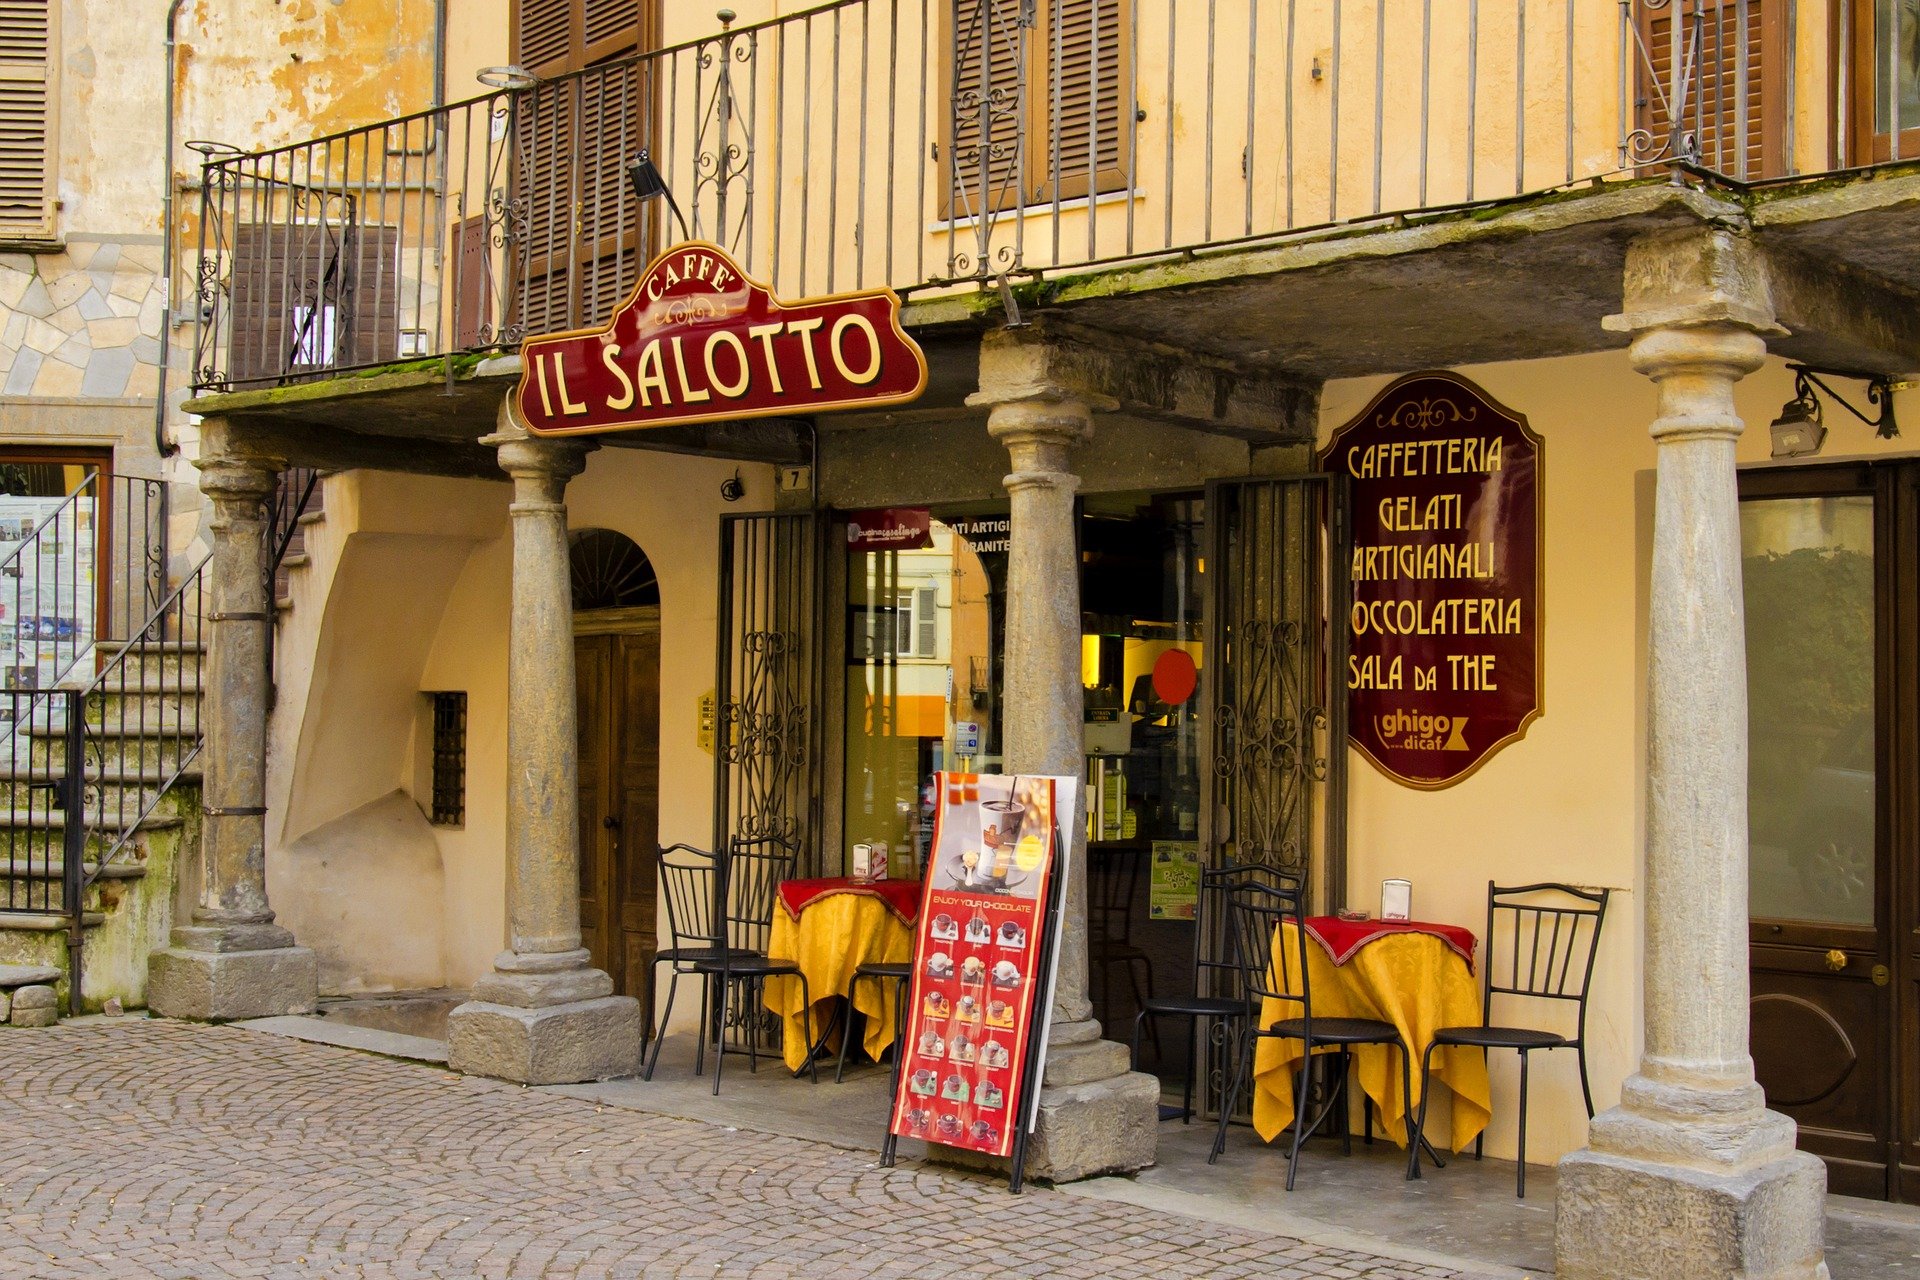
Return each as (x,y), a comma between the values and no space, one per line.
(1342,938)
(901,896)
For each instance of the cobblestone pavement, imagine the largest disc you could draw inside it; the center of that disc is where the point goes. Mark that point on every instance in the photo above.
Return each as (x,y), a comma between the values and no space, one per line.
(153,1149)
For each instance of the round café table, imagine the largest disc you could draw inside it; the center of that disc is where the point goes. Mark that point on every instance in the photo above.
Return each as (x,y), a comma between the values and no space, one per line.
(830,927)
(1407,973)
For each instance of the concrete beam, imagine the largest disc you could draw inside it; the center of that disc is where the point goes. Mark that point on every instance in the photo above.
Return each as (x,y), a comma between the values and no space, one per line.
(1160,383)
(774,440)
(336,449)
(1842,317)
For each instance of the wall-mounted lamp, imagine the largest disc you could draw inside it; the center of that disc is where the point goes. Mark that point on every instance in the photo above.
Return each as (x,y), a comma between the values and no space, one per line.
(648,184)
(509,77)
(1799,432)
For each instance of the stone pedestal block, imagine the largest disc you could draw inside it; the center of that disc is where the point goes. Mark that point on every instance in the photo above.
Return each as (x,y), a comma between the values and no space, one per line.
(1100,1127)
(34,1006)
(223,986)
(572,1043)
(1625,1219)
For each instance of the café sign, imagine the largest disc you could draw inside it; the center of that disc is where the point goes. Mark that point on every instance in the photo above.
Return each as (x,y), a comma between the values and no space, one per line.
(1444,659)
(698,341)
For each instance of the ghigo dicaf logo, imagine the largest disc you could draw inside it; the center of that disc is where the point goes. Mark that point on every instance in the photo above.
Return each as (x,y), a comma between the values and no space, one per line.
(1416,731)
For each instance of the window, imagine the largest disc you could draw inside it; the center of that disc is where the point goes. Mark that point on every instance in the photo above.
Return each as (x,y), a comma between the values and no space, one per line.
(583,232)
(449,759)
(1886,79)
(1741,125)
(905,623)
(28,34)
(1035,102)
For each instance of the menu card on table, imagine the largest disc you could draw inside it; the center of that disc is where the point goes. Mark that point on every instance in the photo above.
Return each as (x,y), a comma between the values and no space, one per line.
(978,1008)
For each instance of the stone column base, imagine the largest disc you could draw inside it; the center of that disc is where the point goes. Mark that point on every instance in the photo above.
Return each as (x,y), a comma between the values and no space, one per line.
(1096,1118)
(224,986)
(569,1043)
(1624,1219)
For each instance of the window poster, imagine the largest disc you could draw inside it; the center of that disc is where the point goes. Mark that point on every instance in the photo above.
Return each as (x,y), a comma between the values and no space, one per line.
(982,980)
(47,589)
(1173,880)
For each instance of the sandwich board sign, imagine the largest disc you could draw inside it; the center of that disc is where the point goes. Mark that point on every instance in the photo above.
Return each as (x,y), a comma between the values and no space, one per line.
(985,955)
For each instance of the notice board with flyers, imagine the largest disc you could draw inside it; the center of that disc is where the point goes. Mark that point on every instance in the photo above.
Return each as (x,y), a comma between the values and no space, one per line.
(984,956)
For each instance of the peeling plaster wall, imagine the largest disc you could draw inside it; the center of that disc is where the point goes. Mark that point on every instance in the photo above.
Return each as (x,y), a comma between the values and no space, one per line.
(80,326)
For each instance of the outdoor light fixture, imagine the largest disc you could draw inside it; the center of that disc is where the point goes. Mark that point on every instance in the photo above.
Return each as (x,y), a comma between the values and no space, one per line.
(647,184)
(508,77)
(1798,430)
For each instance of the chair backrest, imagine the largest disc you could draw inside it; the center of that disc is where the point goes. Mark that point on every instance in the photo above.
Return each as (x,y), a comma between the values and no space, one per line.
(1216,971)
(1113,887)
(689,879)
(1270,970)
(1555,938)
(755,866)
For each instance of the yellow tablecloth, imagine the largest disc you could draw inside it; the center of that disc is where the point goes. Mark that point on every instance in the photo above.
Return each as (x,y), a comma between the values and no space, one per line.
(1412,980)
(834,936)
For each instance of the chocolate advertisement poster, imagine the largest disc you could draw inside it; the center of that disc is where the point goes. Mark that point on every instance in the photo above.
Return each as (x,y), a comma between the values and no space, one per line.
(976,1003)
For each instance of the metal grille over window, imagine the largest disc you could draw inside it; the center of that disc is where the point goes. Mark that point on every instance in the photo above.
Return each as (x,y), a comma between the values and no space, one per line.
(449,759)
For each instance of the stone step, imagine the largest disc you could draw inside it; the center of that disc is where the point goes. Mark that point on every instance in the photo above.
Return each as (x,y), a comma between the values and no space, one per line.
(170,660)
(313,514)
(120,790)
(50,869)
(126,747)
(52,922)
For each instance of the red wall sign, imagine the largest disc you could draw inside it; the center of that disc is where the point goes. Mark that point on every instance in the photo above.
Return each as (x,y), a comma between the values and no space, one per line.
(890,529)
(974,1008)
(698,341)
(1443,664)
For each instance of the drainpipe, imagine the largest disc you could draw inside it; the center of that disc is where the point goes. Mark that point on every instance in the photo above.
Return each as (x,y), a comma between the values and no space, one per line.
(161,441)
(439,53)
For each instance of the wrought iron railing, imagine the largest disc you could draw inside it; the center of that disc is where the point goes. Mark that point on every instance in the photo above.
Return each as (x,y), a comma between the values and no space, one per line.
(928,144)
(83,572)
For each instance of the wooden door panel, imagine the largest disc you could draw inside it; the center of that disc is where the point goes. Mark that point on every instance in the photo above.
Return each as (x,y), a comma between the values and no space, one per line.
(638,800)
(1818,1043)
(593,684)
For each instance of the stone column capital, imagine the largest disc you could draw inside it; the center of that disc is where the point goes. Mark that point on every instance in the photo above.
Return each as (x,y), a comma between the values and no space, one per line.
(1693,276)
(1695,368)
(231,479)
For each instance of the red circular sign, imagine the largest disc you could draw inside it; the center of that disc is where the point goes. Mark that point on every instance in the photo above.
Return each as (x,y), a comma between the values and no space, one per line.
(1174,677)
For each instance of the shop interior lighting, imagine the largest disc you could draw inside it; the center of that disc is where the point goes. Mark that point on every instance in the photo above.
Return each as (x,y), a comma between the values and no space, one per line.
(1799,432)
(648,184)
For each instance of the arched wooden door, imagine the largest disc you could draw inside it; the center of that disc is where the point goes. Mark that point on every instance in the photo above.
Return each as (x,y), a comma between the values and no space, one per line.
(617,677)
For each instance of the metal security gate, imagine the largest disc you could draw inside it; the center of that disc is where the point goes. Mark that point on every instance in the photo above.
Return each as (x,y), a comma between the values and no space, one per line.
(1276,628)
(767,695)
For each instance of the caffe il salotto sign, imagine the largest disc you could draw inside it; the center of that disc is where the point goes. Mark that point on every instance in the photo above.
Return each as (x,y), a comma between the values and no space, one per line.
(1443,666)
(698,341)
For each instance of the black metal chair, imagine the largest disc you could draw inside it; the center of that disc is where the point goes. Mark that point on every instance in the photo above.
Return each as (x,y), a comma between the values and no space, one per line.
(1268,968)
(1552,958)
(882,972)
(719,915)
(1218,998)
(1113,890)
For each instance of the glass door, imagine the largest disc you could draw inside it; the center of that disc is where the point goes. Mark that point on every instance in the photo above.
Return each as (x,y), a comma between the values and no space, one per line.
(1820,551)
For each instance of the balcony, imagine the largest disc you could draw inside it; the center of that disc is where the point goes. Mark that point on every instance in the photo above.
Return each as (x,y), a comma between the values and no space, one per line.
(990,152)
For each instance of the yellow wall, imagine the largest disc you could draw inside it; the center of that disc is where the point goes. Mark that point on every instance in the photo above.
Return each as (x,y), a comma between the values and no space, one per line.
(1566,802)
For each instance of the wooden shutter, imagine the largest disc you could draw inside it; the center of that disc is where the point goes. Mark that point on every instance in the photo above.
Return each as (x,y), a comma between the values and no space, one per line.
(27,133)
(1714,105)
(1085,59)
(473,289)
(310,297)
(573,136)
(988,63)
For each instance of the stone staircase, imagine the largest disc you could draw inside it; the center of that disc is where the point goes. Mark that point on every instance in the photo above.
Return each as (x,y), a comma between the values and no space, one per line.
(296,556)
(140,730)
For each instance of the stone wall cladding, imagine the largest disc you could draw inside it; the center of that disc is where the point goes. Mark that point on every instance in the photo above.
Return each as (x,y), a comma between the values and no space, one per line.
(84,322)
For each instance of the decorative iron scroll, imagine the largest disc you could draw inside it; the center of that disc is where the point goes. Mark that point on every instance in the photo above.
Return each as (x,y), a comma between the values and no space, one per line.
(1278,733)
(768,739)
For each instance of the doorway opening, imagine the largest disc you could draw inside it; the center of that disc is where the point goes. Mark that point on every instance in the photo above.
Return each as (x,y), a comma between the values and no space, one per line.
(616,653)
(1831,568)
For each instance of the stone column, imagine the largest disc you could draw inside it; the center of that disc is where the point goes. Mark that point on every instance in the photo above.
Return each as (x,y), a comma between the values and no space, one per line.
(544,1015)
(1691,1176)
(1096,1116)
(233,961)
